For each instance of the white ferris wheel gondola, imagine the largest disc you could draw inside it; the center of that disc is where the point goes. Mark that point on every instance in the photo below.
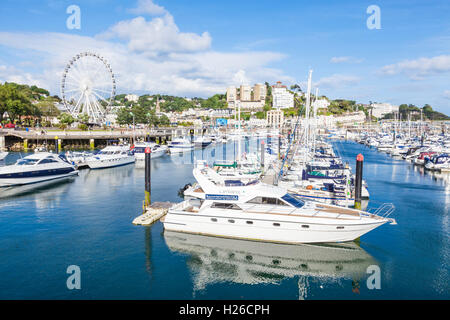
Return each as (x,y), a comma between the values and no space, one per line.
(88,86)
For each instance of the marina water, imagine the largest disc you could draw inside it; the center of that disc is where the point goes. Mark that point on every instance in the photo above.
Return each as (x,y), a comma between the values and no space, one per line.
(86,221)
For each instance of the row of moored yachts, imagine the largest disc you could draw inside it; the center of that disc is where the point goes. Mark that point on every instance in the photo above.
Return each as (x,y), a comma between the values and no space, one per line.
(43,166)
(432,152)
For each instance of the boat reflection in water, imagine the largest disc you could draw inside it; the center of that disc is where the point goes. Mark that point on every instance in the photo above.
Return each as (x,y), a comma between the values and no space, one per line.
(214,260)
(40,188)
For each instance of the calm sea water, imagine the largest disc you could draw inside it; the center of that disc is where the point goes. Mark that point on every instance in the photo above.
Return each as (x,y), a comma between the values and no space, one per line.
(87,222)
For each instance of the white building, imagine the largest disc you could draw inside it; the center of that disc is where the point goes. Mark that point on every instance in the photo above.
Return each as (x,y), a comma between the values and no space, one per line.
(332,121)
(259,92)
(231,97)
(380,109)
(132,97)
(254,122)
(275,118)
(245,93)
(282,98)
(320,104)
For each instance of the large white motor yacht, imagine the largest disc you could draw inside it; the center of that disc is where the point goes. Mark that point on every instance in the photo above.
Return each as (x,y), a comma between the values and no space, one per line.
(38,167)
(111,156)
(178,145)
(202,141)
(157,150)
(256,211)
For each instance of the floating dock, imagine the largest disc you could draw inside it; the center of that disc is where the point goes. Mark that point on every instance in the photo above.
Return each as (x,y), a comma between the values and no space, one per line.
(156,211)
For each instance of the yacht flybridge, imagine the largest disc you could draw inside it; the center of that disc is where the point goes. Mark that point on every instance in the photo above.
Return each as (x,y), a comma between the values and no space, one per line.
(252,210)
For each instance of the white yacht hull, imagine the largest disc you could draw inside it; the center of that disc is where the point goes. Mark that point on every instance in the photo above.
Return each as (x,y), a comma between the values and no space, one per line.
(157,154)
(290,229)
(109,162)
(180,149)
(31,180)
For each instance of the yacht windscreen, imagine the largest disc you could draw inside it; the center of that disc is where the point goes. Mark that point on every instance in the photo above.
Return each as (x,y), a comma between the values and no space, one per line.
(22,162)
(293,201)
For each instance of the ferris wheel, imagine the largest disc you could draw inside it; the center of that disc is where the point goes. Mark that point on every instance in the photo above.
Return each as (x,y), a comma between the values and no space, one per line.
(88,86)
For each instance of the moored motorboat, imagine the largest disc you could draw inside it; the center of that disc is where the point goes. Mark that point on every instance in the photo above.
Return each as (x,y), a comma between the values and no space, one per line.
(35,168)
(178,145)
(111,156)
(156,150)
(256,211)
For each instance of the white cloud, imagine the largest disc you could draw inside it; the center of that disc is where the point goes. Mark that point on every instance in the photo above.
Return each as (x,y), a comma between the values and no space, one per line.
(151,56)
(148,7)
(159,35)
(420,68)
(195,73)
(345,60)
(12,74)
(447,94)
(337,81)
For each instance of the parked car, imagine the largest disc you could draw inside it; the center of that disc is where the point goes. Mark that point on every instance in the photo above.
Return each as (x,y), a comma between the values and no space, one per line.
(10,125)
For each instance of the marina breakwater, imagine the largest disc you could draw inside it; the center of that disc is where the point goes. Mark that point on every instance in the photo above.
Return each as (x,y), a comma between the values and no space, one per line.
(22,140)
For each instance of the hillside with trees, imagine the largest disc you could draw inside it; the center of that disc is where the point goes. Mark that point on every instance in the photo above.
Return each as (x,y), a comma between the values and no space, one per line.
(409,109)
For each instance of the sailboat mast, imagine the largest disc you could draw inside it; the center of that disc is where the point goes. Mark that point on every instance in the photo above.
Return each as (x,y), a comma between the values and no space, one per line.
(308,102)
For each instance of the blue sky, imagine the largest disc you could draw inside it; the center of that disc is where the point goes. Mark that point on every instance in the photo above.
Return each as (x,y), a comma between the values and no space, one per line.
(197,48)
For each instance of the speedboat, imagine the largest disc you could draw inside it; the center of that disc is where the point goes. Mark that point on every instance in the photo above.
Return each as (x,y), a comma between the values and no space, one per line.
(111,156)
(439,163)
(178,145)
(38,167)
(3,155)
(257,211)
(156,150)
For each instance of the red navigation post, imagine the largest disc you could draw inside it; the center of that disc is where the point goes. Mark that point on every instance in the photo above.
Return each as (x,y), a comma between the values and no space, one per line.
(358,180)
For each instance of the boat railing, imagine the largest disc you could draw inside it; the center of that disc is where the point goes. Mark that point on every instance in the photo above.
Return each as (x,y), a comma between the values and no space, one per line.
(384,211)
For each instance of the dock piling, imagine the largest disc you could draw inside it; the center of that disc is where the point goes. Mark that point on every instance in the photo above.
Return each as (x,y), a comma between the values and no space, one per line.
(56,144)
(262,155)
(148,181)
(358,180)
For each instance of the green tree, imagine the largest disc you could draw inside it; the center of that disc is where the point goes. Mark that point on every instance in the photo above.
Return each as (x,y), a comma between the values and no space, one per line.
(83,118)
(15,103)
(66,119)
(124,116)
(164,120)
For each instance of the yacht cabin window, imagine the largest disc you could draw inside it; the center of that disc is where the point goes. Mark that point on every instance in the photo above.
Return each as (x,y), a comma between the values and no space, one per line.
(266,200)
(47,160)
(296,202)
(220,205)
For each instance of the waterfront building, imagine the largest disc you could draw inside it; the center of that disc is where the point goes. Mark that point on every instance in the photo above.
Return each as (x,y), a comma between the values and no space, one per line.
(249,98)
(275,118)
(245,93)
(321,104)
(282,98)
(259,92)
(132,97)
(254,122)
(231,97)
(380,109)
